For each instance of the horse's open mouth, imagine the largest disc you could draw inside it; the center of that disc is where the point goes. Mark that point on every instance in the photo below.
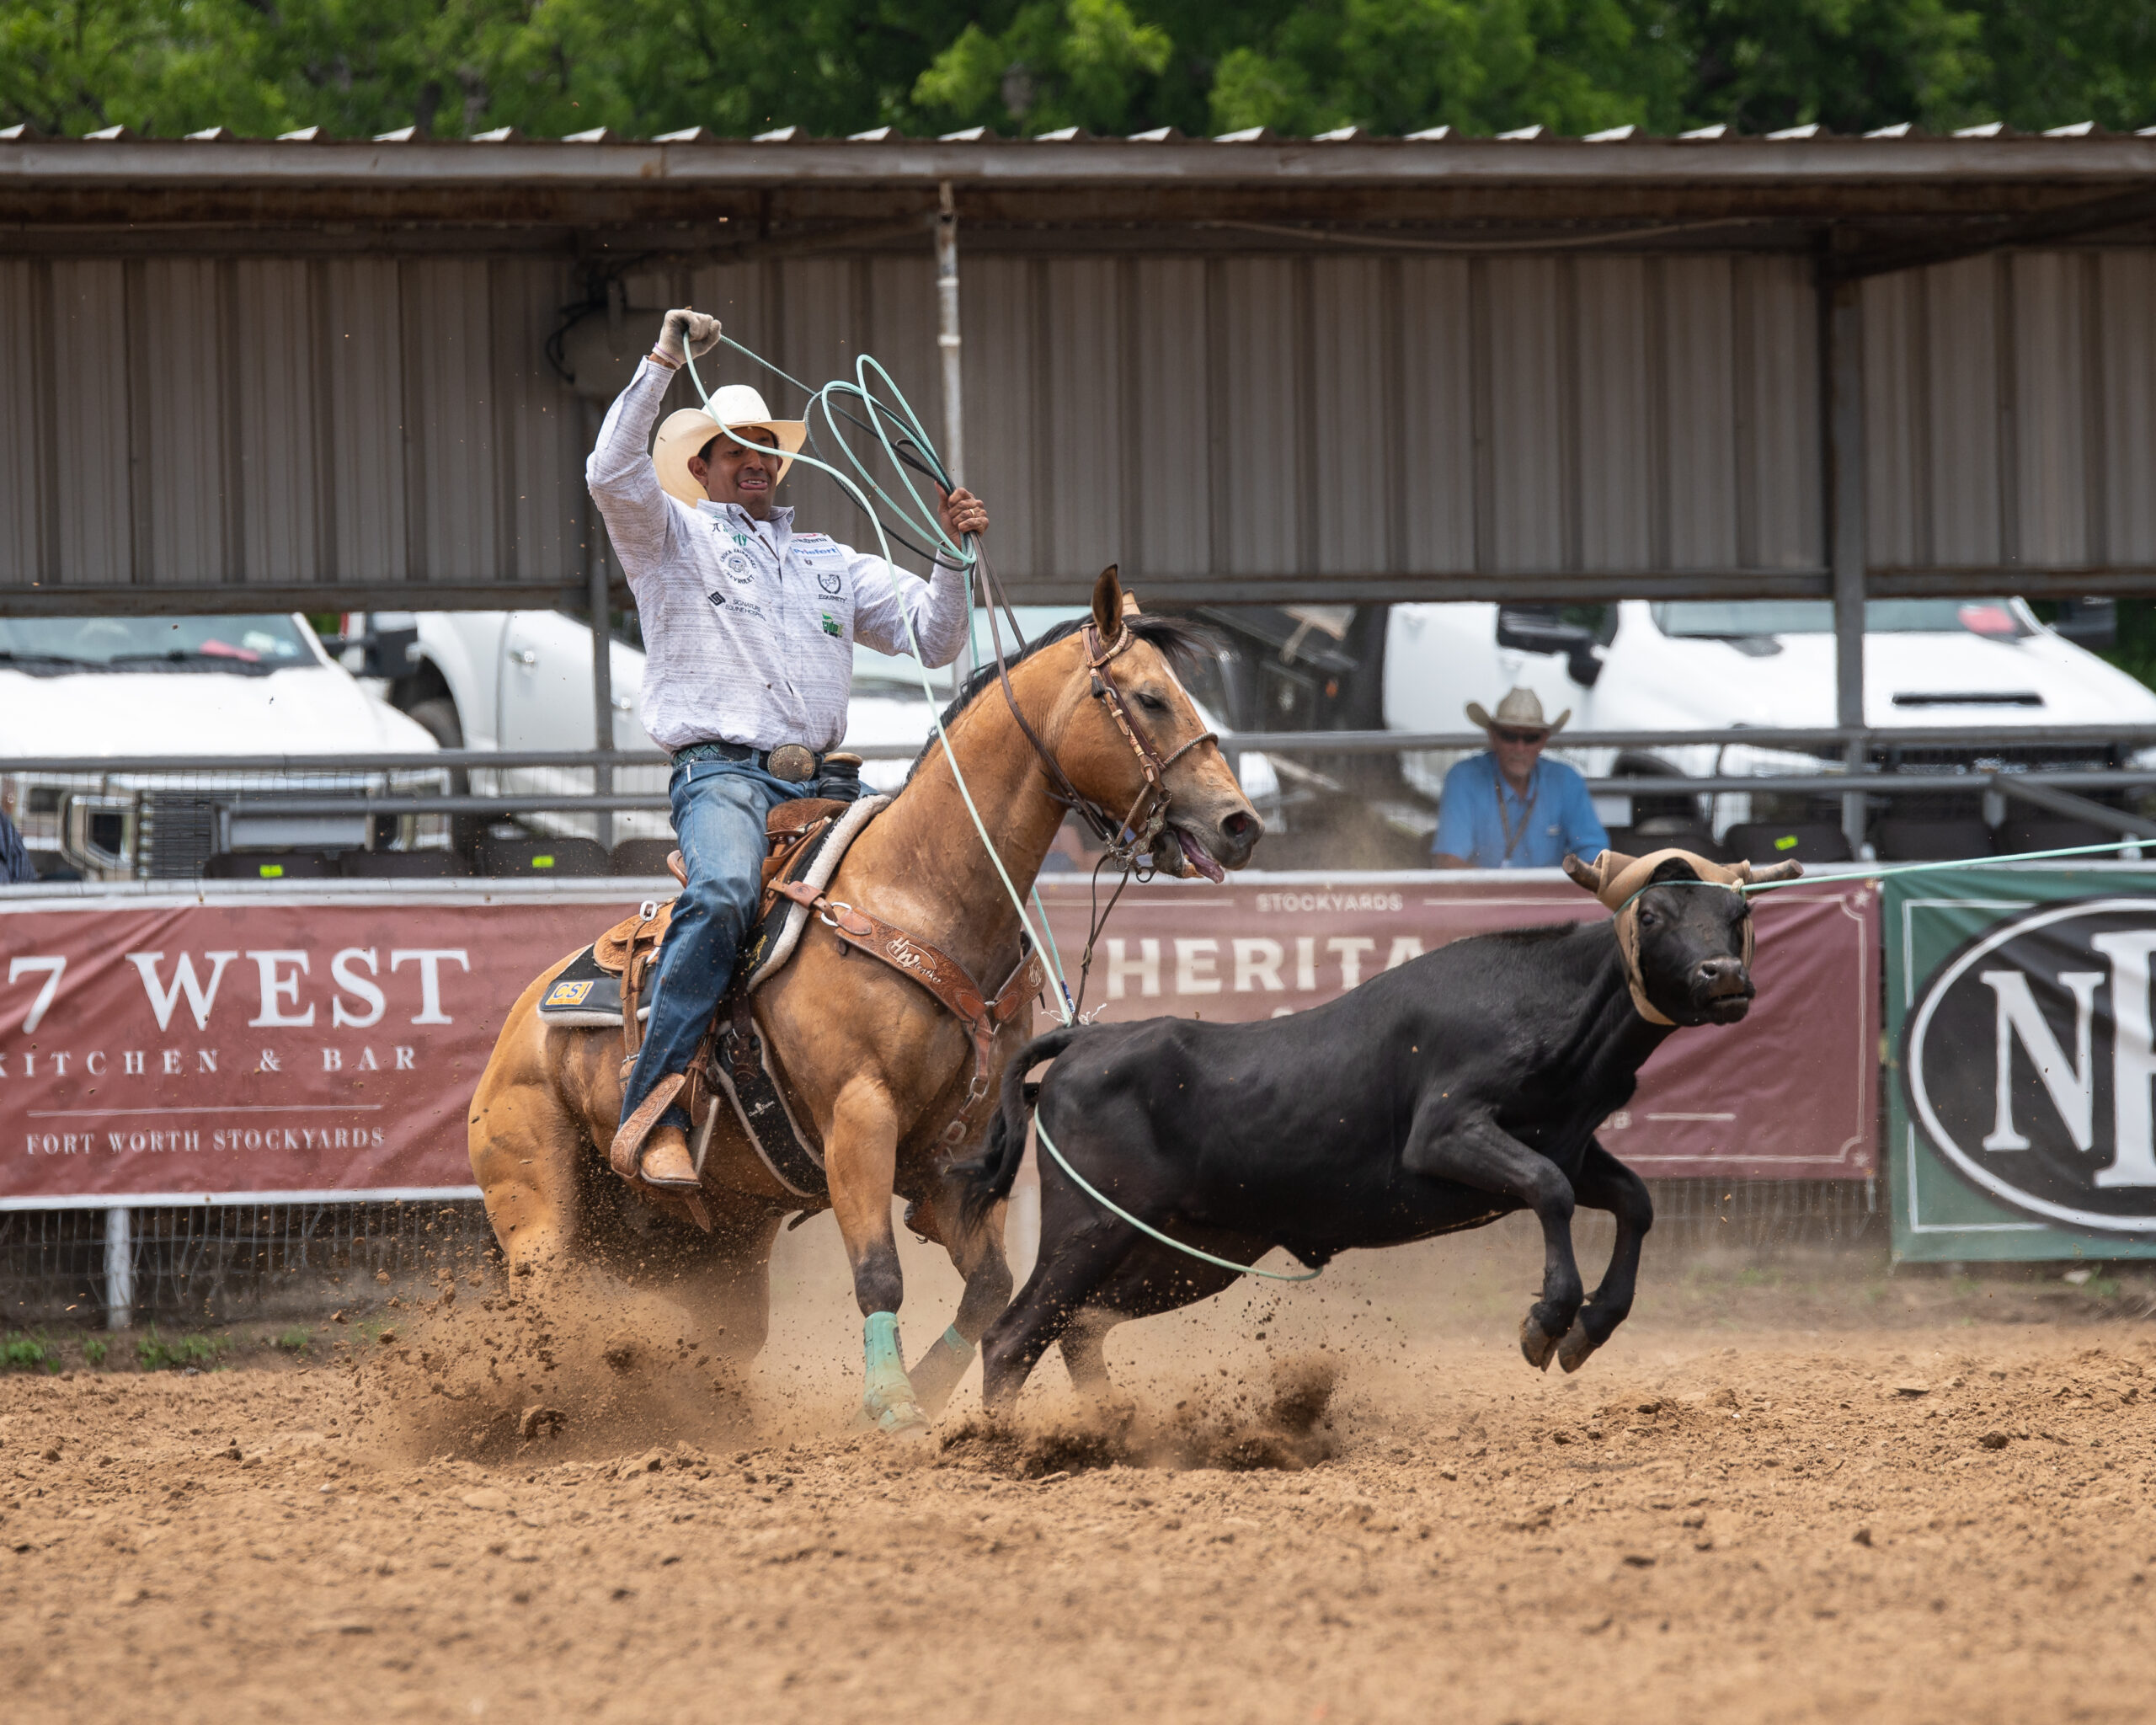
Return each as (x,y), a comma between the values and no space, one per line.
(1176,853)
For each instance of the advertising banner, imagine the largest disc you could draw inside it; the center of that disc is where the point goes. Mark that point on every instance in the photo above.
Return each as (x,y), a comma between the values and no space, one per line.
(236,1044)
(2019,1022)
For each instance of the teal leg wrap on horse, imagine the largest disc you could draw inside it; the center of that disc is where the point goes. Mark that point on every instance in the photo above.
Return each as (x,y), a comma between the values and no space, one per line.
(940,1370)
(887,1401)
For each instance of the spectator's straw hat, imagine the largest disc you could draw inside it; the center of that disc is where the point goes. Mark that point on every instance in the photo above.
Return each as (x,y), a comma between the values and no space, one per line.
(736,405)
(1520,710)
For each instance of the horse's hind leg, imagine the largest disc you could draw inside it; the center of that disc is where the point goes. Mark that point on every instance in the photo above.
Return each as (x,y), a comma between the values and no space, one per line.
(525,1142)
(1084,1351)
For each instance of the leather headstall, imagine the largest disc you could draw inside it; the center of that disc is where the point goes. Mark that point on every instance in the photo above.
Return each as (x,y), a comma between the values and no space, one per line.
(942,975)
(1149,813)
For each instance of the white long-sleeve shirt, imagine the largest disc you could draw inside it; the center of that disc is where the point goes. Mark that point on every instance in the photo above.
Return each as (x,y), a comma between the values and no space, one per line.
(748,627)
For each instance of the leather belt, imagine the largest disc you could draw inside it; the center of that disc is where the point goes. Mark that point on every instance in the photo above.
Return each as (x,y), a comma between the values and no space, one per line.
(794,762)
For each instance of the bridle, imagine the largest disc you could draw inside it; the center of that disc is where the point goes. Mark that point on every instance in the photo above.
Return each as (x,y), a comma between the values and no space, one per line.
(1128,841)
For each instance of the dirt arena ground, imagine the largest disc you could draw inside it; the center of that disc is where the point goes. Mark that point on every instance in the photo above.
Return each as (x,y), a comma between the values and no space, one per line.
(1795,1490)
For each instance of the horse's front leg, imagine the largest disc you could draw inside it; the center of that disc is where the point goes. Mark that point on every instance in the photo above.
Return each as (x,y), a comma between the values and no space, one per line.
(860,1153)
(976,1250)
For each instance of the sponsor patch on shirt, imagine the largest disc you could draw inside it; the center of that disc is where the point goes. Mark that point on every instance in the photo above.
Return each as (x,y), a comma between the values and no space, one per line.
(830,624)
(829,580)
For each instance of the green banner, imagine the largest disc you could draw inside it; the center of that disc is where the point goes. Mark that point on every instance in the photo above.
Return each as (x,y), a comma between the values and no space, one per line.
(2021,1117)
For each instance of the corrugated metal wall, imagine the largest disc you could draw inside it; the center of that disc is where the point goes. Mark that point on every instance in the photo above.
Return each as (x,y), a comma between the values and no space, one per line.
(2008,411)
(182,422)
(179,422)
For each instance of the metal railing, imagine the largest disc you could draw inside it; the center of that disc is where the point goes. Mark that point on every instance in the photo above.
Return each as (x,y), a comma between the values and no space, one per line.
(163,816)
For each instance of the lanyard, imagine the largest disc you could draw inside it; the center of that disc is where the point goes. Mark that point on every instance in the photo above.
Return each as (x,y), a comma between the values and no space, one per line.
(1527,807)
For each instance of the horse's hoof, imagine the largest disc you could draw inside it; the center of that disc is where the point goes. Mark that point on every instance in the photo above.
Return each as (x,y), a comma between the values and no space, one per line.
(1534,1344)
(901,1420)
(1573,1351)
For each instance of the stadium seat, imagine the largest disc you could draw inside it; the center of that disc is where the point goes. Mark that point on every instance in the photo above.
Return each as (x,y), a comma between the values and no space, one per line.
(2050,832)
(269,865)
(644,859)
(1662,832)
(548,858)
(402,865)
(1783,841)
(1899,840)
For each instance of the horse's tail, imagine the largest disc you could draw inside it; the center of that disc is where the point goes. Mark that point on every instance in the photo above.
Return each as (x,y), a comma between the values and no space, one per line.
(987,1178)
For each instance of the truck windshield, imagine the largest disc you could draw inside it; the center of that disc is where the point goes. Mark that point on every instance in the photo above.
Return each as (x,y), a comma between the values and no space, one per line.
(1733,619)
(241,644)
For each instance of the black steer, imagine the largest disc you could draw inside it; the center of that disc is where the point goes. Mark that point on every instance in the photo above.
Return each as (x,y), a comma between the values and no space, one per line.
(1464,1085)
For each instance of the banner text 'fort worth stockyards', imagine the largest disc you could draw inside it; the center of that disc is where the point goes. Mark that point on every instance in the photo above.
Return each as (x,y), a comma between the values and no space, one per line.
(184,1048)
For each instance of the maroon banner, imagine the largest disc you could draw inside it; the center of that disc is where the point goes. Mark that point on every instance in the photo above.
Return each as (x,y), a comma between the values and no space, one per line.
(1791,1093)
(237,1043)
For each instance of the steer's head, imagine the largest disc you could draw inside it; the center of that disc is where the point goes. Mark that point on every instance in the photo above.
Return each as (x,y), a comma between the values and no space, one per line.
(1684,928)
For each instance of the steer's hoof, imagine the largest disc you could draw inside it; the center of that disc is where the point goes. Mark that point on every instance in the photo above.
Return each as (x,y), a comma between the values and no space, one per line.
(1537,1347)
(1573,1351)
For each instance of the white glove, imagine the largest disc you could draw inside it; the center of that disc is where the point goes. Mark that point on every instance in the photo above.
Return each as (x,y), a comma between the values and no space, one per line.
(685,333)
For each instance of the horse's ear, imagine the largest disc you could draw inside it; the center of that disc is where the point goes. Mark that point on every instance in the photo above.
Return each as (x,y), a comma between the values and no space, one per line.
(1108,604)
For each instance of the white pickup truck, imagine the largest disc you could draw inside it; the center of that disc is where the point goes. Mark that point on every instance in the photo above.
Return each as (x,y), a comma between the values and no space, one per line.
(91,690)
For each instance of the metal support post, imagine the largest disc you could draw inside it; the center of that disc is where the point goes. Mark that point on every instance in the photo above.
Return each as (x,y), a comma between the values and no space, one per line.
(119,1267)
(602,652)
(947,343)
(1845,525)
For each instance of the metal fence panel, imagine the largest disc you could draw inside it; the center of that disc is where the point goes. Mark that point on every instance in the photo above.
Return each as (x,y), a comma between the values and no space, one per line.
(1086,418)
(2126,344)
(23,446)
(1780,414)
(90,418)
(1352,406)
(1437,430)
(180,432)
(1261,428)
(1698,337)
(280,474)
(2049,481)
(1529,429)
(366,423)
(1621,418)
(1167,430)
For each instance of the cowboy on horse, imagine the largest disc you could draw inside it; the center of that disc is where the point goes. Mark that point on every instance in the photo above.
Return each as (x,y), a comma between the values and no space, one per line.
(749,628)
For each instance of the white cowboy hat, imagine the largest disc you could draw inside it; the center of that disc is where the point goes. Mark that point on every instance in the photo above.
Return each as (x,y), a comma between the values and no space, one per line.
(1521,709)
(686,432)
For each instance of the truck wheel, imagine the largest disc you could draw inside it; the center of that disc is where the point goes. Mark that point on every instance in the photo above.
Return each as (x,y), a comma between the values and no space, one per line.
(438,718)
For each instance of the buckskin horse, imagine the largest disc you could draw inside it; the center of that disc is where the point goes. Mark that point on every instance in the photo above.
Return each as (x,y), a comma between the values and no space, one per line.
(868,1060)
(1465,1084)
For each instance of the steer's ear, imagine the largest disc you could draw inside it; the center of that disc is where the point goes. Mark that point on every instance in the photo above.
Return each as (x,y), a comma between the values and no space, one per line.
(1108,604)
(1588,875)
(1790,870)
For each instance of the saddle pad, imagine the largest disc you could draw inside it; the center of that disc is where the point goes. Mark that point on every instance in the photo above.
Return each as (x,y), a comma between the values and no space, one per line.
(586,996)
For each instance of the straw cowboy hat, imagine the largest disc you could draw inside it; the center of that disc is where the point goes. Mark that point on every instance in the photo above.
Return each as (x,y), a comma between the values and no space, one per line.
(1520,710)
(686,433)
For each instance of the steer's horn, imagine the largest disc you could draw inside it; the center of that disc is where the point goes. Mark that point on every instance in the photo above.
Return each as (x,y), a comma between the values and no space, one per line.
(1757,874)
(1595,876)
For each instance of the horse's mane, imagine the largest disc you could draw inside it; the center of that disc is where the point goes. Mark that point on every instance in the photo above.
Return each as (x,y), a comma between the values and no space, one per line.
(1184,644)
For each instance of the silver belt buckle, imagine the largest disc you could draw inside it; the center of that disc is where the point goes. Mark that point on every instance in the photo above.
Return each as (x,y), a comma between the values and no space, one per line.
(791,762)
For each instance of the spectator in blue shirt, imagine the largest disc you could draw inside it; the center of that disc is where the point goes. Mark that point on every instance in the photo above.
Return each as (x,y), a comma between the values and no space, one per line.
(1510,808)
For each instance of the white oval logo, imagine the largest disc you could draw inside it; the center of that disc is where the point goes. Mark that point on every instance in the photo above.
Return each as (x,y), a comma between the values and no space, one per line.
(2029,1063)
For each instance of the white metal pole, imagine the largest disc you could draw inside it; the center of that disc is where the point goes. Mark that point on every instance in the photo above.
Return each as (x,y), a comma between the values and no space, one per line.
(119,1267)
(1845,520)
(948,344)
(602,652)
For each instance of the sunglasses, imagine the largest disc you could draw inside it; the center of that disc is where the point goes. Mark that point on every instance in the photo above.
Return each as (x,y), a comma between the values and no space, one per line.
(1504,733)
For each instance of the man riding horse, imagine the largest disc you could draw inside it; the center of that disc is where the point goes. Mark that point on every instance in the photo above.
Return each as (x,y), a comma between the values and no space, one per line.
(749,628)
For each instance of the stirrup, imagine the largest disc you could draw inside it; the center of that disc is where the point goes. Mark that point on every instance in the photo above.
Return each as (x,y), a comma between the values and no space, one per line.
(625,1156)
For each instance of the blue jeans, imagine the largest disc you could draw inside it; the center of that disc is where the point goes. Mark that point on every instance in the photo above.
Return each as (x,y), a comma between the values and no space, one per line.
(719,808)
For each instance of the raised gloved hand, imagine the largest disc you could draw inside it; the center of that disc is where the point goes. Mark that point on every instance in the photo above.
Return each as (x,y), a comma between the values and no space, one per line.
(686,333)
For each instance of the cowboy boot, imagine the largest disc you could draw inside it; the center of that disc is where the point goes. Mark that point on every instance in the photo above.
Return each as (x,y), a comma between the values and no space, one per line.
(642,1138)
(666,1163)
